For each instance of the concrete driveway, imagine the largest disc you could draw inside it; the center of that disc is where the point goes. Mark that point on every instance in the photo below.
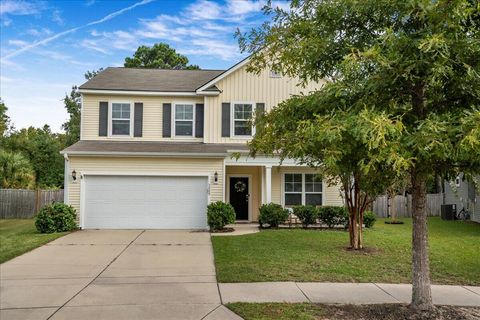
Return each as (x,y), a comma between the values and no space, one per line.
(114,274)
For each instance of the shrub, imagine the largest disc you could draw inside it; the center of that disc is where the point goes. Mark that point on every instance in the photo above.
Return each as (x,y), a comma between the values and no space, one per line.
(369,219)
(332,216)
(219,214)
(56,217)
(272,214)
(306,214)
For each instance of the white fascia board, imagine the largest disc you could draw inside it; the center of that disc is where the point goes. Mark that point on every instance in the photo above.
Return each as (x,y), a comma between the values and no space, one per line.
(223,75)
(146,154)
(140,93)
(260,161)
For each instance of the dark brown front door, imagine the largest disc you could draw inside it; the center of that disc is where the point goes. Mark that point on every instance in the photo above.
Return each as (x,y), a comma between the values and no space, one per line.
(239,195)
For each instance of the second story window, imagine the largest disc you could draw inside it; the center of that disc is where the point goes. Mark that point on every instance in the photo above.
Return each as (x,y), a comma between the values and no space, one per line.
(121,119)
(242,115)
(184,120)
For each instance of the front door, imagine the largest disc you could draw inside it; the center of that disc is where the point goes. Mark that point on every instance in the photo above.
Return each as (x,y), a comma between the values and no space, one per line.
(239,195)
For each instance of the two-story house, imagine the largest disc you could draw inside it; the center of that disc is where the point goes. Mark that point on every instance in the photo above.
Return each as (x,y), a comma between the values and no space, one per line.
(156,147)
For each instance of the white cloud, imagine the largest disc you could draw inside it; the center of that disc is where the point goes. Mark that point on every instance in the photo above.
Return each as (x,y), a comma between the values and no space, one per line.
(39,32)
(68,31)
(19,7)
(242,7)
(89,3)
(204,10)
(17,42)
(57,17)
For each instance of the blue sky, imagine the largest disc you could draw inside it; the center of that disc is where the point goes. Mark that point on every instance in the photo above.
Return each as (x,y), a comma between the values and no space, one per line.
(46,46)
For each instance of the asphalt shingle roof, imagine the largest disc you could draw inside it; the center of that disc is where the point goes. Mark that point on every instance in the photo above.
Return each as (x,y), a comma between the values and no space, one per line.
(145,147)
(137,79)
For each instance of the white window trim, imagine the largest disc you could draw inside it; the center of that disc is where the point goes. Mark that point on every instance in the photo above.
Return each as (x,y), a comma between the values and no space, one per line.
(303,187)
(232,120)
(110,119)
(174,134)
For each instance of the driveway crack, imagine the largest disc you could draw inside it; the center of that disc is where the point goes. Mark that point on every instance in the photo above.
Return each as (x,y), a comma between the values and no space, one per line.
(98,275)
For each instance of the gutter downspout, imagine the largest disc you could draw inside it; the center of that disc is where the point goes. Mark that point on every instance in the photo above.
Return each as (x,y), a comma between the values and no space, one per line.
(65,178)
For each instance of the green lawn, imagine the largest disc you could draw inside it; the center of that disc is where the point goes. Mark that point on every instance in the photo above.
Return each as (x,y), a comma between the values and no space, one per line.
(18,236)
(310,311)
(312,255)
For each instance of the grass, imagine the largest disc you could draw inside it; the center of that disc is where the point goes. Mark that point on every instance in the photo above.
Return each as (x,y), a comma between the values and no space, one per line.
(312,255)
(310,311)
(18,236)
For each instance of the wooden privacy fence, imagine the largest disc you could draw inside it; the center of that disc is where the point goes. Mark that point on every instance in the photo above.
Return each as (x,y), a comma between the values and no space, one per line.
(20,203)
(403,205)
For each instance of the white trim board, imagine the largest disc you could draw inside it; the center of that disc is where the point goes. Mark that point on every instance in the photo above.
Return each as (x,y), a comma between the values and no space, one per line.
(223,75)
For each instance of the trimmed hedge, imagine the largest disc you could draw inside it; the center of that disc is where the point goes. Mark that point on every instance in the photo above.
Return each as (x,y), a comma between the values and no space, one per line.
(219,214)
(332,215)
(272,214)
(369,219)
(56,217)
(307,214)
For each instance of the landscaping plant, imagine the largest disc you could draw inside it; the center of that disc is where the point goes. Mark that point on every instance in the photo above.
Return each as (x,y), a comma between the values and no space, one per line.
(272,214)
(307,214)
(56,217)
(333,215)
(219,214)
(369,219)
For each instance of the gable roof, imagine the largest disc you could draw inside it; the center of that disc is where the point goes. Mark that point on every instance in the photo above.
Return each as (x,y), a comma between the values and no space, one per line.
(154,80)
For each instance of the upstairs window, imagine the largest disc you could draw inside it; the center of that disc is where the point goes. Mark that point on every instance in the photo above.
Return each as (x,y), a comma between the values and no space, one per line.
(242,115)
(302,189)
(184,120)
(275,74)
(121,119)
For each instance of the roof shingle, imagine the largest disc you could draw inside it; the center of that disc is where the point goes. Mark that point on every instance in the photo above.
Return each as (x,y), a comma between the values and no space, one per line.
(159,80)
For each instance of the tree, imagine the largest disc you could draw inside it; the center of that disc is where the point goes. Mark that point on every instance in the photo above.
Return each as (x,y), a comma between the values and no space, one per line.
(15,171)
(90,74)
(4,119)
(72,125)
(42,148)
(160,56)
(415,61)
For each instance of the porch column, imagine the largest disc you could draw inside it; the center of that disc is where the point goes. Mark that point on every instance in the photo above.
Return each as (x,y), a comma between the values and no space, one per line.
(268,184)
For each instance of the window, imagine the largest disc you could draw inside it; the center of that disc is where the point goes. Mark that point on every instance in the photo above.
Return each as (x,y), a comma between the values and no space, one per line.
(457,181)
(184,120)
(242,115)
(120,119)
(302,189)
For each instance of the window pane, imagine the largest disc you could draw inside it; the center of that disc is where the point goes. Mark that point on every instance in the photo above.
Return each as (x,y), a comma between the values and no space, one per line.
(313,183)
(120,127)
(183,112)
(288,187)
(183,128)
(313,199)
(288,177)
(293,199)
(242,111)
(297,186)
(242,128)
(308,187)
(120,111)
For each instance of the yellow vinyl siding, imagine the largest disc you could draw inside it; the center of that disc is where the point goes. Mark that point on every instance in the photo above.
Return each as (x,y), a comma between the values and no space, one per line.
(332,193)
(241,86)
(133,165)
(152,116)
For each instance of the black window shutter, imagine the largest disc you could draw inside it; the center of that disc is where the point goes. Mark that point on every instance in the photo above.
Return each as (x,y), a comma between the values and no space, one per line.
(103,119)
(225,119)
(260,108)
(199,120)
(138,120)
(167,120)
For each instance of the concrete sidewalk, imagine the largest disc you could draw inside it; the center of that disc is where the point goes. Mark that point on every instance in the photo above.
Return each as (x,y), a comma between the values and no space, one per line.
(343,293)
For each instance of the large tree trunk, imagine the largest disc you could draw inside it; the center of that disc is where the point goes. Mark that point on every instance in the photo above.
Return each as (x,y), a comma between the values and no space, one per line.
(421,292)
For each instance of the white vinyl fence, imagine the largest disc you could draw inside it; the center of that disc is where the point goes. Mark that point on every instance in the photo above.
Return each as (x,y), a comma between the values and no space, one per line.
(20,203)
(403,205)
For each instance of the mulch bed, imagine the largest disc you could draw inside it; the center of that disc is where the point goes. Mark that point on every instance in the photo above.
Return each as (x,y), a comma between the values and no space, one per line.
(224,230)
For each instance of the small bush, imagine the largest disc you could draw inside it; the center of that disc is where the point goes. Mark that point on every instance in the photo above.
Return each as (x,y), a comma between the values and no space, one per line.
(369,219)
(219,214)
(272,214)
(332,216)
(306,214)
(56,217)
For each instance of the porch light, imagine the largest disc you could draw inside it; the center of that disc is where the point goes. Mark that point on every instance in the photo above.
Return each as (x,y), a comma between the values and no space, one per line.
(215,177)
(74,175)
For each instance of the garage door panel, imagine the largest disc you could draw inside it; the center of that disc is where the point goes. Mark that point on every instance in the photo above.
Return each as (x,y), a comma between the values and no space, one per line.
(136,202)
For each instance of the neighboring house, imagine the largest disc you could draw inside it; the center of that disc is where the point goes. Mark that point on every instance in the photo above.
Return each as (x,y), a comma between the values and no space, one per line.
(156,147)
(462,193)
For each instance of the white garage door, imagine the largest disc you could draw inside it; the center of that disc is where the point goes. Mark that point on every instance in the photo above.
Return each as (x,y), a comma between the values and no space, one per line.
(138,202)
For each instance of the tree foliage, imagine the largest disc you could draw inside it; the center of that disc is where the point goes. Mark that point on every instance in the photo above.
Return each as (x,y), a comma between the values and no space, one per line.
(15,171)
(159,56)
(4,119)
(402,93)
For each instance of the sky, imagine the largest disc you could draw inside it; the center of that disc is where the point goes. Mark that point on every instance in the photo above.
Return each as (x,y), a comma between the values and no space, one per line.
(47,46)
